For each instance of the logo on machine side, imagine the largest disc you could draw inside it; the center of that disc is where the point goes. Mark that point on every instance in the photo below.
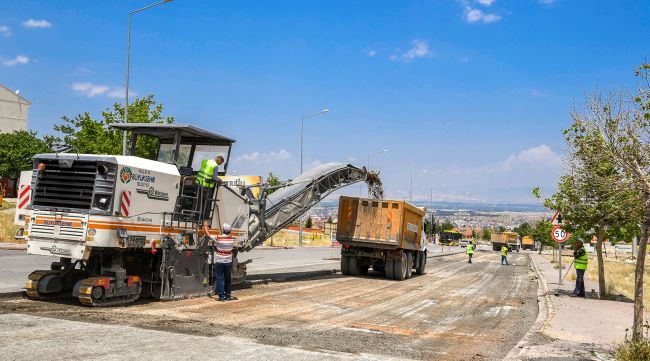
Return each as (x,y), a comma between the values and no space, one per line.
(153,193)
(126,174)
(56,250)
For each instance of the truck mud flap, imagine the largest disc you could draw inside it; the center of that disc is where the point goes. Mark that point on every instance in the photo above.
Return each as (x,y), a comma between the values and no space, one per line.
(184,273)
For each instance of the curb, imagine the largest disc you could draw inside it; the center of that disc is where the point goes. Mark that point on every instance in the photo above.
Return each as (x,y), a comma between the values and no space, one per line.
(13,247)
(544,315)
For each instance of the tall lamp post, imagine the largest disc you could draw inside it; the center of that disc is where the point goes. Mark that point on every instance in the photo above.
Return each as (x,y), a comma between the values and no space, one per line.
(370,155)
(411,192)
(128,60)
(302,131)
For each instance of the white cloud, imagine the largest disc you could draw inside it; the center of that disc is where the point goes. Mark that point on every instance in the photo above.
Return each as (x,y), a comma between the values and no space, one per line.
(33,24)
(18,60)
(420,49)
(371,53)
(473,15)
(485,2)
(5,31)
(90,90)
(546,2)
(537,93)
(264,157)
(540,156)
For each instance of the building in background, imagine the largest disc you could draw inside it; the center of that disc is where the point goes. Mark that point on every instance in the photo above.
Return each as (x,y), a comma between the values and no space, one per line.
(14,111)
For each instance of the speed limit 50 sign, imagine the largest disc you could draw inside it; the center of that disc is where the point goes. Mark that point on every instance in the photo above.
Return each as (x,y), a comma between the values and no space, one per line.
(559,235)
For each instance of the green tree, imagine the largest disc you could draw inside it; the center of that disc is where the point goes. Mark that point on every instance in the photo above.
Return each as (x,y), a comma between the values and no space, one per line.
(446,226)
(487,234)
(501,229)
(524,229)
(329,219)
(309,223)
(272,183)
(83,134)
(623,121)
(17,150)
(542,233)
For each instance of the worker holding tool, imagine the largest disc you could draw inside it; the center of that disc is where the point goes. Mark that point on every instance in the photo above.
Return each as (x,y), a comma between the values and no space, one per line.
(222,262)
(504,255)
(470,252)
(581,261)
(208,176)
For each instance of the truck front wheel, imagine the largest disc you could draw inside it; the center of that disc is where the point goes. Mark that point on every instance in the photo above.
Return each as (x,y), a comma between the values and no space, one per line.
(420,270)
(353,265)
(345,269)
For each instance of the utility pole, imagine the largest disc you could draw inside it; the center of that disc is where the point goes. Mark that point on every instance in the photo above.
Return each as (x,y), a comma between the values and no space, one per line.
(128,61)
(302,128)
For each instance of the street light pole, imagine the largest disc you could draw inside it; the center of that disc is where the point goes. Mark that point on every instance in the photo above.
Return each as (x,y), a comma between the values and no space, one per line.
(302,128)
(370,155)
(128,61)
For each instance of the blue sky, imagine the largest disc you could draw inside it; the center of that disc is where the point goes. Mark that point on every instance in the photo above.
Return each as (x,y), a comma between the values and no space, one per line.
(476,92)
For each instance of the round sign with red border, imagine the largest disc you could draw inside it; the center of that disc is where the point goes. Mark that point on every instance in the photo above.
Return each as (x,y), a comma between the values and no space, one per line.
(559,235)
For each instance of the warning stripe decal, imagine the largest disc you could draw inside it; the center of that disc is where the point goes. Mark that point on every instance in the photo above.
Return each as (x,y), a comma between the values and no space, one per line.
(25,196)
(126,203)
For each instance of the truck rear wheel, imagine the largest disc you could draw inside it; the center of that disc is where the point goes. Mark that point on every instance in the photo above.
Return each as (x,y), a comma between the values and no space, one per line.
(399,268)
(353,265)
(409,265)
(345,269)
(390,274)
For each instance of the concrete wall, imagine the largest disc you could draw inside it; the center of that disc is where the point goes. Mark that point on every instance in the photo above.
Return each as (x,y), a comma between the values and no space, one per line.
(14,111)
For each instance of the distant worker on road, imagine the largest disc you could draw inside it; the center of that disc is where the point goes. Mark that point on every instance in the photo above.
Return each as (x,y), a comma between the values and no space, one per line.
(470,252)
(504,255)
(207,178)
(581,261)
(222,262)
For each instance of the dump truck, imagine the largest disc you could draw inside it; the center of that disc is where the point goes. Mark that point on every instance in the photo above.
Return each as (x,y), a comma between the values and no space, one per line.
(125,227)
(386,235)
(450,237)
(527,243)
(511,239)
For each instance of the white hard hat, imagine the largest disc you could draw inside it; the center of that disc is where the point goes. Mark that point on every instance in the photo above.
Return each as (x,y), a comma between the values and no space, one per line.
(226,227)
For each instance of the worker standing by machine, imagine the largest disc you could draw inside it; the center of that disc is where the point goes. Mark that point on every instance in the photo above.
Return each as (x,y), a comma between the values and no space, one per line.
(222,262)
(207,178)
(470,252)
(504,255)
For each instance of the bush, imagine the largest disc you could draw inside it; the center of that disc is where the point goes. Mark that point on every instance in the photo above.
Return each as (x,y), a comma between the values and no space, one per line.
(631,350)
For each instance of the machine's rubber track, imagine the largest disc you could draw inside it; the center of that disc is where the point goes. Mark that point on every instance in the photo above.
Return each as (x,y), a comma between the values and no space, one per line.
(92,294)
(31,287)
(87,300)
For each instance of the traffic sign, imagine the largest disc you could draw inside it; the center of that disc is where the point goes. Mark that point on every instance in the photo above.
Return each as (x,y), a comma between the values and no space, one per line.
(559,235)
(557,219)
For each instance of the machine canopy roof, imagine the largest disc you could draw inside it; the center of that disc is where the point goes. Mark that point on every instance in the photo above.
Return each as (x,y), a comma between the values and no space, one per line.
(166,133)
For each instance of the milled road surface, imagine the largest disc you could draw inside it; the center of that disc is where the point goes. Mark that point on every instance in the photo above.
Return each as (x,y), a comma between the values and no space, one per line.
(457,311)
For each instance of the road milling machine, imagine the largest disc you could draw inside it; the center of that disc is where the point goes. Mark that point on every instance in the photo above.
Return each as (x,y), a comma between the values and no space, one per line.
(126,227)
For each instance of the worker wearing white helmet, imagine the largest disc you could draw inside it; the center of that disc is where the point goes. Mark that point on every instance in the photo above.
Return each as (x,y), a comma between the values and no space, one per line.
(223,262)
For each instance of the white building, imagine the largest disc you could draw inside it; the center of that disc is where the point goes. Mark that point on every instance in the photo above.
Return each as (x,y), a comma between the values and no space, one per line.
(13,111)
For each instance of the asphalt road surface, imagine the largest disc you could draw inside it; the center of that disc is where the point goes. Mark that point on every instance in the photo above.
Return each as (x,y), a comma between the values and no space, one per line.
(457,311)
(15,266)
